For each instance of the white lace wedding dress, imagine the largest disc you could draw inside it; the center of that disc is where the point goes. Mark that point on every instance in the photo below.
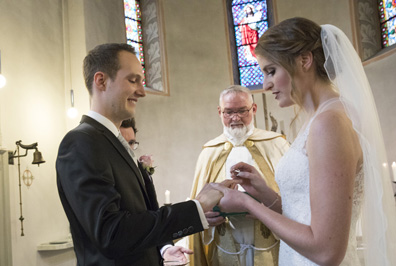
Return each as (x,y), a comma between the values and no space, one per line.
(292,176)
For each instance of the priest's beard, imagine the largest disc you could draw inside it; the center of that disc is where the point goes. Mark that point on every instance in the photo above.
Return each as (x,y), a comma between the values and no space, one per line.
(238,135)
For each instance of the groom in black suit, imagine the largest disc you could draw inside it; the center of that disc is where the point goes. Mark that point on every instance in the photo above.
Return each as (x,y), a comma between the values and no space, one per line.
(100,186)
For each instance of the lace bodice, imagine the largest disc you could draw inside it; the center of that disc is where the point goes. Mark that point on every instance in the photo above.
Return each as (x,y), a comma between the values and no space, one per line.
(292,176)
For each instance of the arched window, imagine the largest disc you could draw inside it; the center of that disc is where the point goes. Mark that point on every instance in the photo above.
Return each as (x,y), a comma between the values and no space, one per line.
(373,23)
(387,12)
(249,19)
(133,23)
(143,21)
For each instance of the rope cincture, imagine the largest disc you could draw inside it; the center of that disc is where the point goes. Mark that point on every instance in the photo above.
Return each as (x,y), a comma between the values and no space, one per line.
(244,247)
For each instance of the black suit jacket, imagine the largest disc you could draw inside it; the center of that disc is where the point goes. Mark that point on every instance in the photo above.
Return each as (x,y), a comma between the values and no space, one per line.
(114,218)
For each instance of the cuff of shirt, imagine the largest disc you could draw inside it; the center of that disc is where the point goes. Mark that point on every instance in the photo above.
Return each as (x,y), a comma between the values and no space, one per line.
(163,249)
(204,222)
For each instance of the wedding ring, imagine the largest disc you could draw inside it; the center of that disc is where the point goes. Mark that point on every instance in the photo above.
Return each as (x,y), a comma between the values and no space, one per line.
(229,222)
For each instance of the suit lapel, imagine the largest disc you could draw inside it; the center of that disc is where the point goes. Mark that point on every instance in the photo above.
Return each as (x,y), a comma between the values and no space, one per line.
(153,203)
(120,148)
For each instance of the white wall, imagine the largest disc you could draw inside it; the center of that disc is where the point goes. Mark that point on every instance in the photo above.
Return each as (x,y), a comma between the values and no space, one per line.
(32,110)
(42,55)
(382,79)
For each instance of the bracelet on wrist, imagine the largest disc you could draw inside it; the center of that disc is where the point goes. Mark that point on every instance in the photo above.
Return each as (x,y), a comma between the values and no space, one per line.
(273,203)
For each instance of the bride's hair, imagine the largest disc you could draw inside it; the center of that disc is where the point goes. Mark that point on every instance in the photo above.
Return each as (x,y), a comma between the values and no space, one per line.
(284,42)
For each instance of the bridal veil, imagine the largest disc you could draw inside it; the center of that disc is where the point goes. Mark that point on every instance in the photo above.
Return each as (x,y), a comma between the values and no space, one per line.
(345,69)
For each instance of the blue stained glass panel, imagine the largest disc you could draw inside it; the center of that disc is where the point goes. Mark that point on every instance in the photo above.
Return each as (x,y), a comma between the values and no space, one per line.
(250,22)
(237,2)
(388,32)
(251,76)
(259,9)
(244,56)
(132,30)
(387,9)
(132,9)
(262,27)
(392,31)
(133,24)
(139,50)
(387,12)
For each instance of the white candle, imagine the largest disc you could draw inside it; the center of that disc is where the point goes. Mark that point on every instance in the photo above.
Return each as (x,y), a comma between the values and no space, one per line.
(167,197)
(394,170)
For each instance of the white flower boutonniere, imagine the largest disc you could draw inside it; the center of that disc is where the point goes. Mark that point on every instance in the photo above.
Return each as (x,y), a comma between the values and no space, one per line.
(147,163)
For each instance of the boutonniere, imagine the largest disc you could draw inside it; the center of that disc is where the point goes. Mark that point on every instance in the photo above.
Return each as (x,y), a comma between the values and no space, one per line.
(147,163)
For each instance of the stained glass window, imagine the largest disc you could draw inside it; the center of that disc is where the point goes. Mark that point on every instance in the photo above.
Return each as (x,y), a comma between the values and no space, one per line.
(250,22)
(387,10)
(133,23)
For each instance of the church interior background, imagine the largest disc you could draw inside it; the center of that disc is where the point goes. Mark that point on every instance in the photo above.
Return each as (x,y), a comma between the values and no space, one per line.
(189,61)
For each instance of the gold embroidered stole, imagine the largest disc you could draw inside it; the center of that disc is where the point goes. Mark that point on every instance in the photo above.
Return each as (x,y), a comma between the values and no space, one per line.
(266,170)
(263,237)
(220,161)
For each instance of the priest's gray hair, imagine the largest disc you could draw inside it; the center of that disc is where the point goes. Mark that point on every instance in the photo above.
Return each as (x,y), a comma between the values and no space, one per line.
(236,89)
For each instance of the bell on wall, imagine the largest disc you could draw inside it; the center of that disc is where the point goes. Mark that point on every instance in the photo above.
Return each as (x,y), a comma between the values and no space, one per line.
(37,158)
(27,177)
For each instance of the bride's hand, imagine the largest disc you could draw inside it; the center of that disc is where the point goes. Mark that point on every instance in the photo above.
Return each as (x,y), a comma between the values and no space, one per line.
(249,178)
(233,200)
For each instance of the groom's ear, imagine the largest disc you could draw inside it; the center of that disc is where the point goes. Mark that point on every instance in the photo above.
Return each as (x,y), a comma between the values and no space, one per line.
(99,81)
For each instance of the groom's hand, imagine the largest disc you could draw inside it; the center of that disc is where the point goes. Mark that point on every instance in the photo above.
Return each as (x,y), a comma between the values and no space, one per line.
(208,197)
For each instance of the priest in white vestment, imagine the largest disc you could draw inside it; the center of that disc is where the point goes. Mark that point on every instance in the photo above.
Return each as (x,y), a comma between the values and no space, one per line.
(235,239)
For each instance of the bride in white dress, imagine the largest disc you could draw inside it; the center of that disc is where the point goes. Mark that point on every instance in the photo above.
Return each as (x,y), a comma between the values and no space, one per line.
(332,174)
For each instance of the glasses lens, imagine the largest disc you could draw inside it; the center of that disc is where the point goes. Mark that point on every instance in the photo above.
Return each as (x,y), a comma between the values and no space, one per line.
(228,114)
(241,113)
(135,145)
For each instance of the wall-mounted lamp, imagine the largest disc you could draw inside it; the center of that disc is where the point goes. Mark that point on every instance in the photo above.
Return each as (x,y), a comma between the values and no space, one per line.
(72,111)
(37,159)
(3,80)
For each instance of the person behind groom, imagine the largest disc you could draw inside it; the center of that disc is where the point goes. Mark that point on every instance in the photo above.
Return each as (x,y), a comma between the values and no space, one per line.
(100,186)
(128,130)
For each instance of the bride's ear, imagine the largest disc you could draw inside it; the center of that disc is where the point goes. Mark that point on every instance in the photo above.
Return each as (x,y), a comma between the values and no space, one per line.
(306,61)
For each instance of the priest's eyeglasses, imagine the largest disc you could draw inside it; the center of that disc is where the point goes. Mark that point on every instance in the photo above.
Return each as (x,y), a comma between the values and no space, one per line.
(241,113)
(133,144)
